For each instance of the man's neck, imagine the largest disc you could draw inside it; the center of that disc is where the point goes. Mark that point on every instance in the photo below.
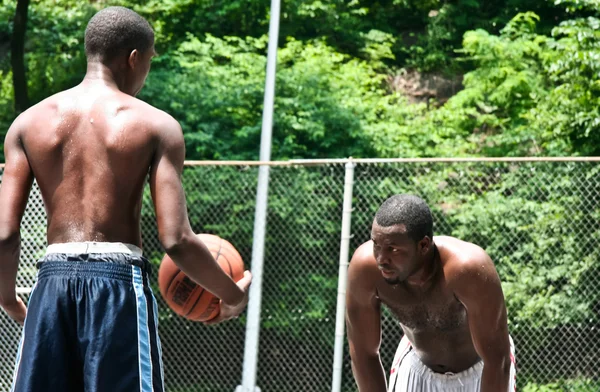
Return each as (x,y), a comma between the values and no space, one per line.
(423,277)
(98,73)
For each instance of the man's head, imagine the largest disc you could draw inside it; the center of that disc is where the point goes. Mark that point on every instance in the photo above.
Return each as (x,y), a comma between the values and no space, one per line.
(402,235)
(122,40)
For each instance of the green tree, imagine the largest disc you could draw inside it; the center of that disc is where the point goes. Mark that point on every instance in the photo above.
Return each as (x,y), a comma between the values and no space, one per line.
(571,110)
(527,94)
(328,104)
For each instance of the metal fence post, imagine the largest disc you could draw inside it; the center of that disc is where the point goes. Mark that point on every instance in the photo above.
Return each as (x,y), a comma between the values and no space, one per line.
(260,220)
(342,277)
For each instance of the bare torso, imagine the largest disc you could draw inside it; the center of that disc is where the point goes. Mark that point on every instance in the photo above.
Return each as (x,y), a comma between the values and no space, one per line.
(90,149)
(433,319)
(447,296)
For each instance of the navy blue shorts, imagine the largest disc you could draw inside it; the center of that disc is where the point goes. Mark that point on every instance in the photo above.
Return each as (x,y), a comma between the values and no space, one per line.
(91,326)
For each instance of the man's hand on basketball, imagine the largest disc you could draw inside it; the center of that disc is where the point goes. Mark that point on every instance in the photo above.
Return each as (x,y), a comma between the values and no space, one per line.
(16,310)
(233,311)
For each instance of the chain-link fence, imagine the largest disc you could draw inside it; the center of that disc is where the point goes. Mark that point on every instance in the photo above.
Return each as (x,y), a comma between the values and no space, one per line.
(540,222)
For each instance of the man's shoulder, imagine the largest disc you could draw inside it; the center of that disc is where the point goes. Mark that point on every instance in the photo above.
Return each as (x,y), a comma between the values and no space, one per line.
(462,260)
(364,254)
(363,273)
(154,116)
(363,264)
(456,251)
(40,111)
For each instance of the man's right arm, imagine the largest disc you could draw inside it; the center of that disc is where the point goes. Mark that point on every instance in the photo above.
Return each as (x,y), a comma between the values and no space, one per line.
(175,234)
(363,321)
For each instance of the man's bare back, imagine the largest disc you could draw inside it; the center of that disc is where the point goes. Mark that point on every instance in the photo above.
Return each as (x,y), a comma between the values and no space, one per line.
(90,149)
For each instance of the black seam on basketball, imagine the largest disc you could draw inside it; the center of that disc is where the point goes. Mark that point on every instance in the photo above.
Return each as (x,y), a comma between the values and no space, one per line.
(204,291)
(228,262)
(196,303)
(230,252)
(212,305)
(219,251)
(234,252)
(209,244)
(230,269)
(171,282)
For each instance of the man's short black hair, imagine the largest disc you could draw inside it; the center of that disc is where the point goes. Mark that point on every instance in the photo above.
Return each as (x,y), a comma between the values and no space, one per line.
(116,31)
(410,211)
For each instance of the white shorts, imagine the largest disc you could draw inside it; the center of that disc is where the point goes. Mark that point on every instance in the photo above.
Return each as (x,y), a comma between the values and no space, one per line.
(409,374)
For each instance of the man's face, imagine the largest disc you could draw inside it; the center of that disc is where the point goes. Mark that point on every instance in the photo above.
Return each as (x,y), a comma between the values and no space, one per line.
(398,256)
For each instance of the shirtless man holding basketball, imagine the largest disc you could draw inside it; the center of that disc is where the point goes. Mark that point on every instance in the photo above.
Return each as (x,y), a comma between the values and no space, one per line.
(447,296)
(92,319)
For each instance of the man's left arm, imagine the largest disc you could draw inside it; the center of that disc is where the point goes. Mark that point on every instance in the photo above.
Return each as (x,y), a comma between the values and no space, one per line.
(14,193)
(477,285)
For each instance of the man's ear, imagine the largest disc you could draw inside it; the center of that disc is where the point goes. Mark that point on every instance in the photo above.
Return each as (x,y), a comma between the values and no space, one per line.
(424,245)
(133,58)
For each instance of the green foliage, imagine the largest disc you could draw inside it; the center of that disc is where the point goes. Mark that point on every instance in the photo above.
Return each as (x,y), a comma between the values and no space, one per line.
(7,13)
(7,110)
(528,94)
(570,110)
(332,99)
(543,264)
(575,6)
(173,20)
(445,23)
(328,105)
(55,55)
(429,31)
(582,385)
(507,79)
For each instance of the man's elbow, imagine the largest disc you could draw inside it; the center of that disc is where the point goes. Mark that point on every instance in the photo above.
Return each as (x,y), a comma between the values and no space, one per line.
(7,301)
(506,364)
(363,355)
(175,241)
(502,364)
(9,238)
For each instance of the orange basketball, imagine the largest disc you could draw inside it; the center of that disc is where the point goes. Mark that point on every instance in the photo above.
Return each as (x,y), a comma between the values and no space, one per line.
(183,295)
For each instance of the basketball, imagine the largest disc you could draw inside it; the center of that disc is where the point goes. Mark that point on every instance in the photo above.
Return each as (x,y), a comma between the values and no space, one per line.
(183,295)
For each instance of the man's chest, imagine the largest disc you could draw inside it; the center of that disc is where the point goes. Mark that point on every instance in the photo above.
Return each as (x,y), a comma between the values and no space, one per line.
(436,308)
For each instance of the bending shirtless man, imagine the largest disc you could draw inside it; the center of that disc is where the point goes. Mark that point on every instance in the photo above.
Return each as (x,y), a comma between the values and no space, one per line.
(447,296)
(92,319)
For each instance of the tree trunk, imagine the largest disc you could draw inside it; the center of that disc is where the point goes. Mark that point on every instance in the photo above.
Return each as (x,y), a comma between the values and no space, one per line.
(17,56)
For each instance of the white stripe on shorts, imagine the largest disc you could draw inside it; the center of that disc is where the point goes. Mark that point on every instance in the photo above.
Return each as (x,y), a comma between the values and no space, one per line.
(144,347)
(409,374)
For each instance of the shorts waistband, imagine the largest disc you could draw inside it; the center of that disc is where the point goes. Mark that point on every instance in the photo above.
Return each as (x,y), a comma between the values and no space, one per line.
(61,269)
(80,248)
(466,375)
(125,260)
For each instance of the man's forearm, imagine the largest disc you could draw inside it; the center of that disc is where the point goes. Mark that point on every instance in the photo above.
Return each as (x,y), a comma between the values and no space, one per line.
(196,261)
(369,374)
(9,264)
(495,378)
